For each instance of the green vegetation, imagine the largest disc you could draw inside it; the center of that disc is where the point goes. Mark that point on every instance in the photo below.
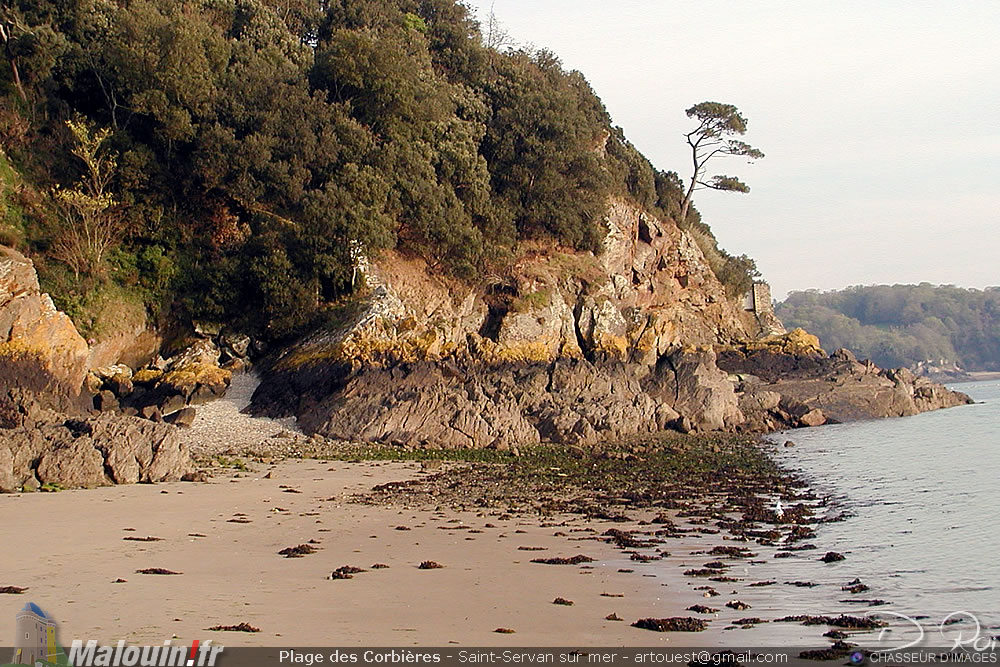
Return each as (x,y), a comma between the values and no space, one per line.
(903,325)
(228,160)
(232,463)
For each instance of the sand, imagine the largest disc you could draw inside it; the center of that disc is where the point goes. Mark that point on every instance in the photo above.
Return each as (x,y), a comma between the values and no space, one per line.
(72,552)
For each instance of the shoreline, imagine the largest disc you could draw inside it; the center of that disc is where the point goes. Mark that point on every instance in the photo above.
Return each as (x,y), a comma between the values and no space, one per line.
(224,537)
(979,376)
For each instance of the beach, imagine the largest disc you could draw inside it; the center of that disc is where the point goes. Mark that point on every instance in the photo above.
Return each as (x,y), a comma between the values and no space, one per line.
(222,540)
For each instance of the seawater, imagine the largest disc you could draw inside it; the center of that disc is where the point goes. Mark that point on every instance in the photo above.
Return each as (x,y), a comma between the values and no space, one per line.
(923,493)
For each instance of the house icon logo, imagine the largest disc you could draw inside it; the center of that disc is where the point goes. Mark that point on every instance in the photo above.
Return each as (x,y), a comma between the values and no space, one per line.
(35,638)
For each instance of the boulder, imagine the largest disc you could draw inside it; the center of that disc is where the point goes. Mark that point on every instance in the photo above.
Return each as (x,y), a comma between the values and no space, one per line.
(151,412)
(105,401)
(202,352)
(171,403)
(106,373)
(702,393)
(200,381)
(814,417)
(235,345)
(91,452)
(72,463)
(33,331)
(843,354)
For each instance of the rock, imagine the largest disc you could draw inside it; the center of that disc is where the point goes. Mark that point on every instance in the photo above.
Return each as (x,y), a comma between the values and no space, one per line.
(109,372)
(837,388)
(172,403)
(236,345)
(789,443)
(32,330)
(151,412)
(147,377)
(120,386)
(814,417)
(74,464)
(7,482)
(700,391)
(203,352)
(183,417)
(843,354)
(106,401)
(117,379)
(92,452)
(198,381)
(759,401)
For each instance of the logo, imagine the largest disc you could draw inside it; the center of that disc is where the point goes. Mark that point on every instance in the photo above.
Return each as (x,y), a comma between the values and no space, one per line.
(35,644)
(35,638)
(960,637)
(199,654)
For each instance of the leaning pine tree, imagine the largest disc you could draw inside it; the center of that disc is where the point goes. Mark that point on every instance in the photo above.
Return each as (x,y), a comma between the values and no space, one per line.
(718,124)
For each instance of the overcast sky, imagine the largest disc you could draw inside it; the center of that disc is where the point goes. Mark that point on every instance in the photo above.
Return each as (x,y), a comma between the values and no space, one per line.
(880,121)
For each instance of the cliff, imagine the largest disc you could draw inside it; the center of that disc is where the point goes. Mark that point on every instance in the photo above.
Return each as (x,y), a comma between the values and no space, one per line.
(567,347)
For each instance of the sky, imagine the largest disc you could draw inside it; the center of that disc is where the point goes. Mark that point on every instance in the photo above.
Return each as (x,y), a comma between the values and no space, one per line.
(880,122)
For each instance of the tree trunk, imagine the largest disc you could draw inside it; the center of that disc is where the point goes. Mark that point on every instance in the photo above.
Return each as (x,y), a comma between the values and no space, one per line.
(13,63)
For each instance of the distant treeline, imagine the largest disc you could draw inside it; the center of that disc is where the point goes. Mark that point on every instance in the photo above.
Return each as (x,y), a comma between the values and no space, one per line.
(231,159)
(903,325)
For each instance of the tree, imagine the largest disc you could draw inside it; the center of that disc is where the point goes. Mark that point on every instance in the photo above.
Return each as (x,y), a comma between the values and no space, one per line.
(92,220)
(718,124)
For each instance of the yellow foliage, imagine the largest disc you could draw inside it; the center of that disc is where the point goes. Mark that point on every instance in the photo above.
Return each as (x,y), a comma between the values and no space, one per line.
(521,352)
(611,345)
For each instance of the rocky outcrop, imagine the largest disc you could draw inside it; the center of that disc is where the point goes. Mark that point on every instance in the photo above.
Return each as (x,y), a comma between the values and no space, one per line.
(567,348)
(40,349)
(650,292)
(464,403)
(47,436)
(789,381)
(73,453)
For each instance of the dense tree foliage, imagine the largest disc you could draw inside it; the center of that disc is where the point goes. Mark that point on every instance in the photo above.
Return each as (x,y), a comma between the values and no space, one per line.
(903,325)
(258,144)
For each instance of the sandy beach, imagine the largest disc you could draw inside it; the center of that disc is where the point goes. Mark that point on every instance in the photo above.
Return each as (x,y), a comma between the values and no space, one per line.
(232,572)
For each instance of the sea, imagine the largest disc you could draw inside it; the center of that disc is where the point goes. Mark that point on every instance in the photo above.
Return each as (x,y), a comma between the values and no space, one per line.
(922,495)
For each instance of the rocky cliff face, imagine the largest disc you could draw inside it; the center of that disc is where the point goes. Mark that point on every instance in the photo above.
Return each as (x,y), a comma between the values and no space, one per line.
(566,348)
